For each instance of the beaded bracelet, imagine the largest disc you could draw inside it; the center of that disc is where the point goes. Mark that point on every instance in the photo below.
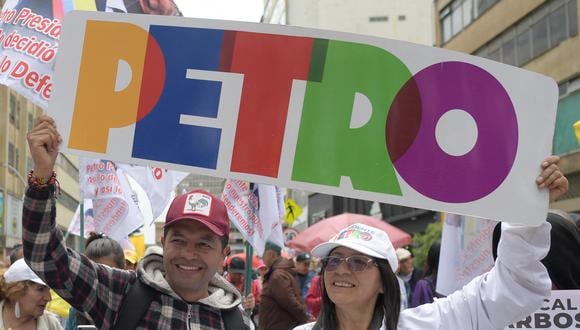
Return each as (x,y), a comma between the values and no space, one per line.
(39,182)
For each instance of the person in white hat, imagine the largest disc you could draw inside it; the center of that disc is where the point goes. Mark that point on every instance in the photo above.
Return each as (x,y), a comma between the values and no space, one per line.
(360,289)
(405,275)
(24,297)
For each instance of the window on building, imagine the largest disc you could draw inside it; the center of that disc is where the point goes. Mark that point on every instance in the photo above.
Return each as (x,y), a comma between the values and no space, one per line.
(495,55)
(67,201)
(456,18)
(572,14)
(379,19)
(30,122)
(445,17)
(67,166)
(11,155)
(12,109)
(540,36)
(524,47)
(542,30)
(508,51)
(402,17)
(459,14)
(569,87)
(483,5)
(467,9)
(558,25)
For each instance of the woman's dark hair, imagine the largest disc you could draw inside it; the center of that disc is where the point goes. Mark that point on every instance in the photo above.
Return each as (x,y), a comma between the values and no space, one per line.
(390,300)
(432,262)
(99,246)
(562,260)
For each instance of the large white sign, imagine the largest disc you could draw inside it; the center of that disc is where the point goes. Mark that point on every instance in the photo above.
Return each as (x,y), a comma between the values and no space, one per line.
(560,311)
(323,111)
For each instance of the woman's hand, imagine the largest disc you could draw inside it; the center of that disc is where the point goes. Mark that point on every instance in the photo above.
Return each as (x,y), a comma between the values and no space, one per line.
(552,178)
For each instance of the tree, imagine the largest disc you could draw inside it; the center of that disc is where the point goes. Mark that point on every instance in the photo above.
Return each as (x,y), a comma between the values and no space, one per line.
(422,242)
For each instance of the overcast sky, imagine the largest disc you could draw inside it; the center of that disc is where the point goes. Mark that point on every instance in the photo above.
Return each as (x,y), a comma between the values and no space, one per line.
(239,10)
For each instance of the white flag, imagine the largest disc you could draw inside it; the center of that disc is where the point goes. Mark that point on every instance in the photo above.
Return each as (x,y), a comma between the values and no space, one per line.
(255,212)
(271,210)
(465,251)
(157,183)
(114,210)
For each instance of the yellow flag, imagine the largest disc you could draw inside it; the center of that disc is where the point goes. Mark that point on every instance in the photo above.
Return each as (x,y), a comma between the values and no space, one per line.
(138,241)
(58,305)
(577,130)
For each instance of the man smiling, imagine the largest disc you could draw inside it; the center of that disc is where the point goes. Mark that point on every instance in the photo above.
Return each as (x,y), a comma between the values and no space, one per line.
(196,225)
(184,290)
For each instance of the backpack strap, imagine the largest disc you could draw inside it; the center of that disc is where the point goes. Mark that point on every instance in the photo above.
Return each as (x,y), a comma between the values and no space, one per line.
(233,319)
(134,305)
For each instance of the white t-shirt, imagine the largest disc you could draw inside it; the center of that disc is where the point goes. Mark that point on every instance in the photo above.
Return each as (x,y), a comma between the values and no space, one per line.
(513,289)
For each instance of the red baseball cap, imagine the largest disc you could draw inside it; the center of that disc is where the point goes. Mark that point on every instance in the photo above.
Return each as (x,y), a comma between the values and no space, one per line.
(201,206)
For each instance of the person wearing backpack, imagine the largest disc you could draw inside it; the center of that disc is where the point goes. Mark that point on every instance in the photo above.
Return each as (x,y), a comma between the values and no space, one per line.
(179,289)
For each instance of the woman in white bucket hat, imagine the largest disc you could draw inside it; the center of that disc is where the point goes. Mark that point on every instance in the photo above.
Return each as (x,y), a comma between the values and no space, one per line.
(23,300)
(360,290)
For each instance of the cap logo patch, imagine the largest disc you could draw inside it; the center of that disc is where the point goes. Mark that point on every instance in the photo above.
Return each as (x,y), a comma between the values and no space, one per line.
(354,234)
(198,203)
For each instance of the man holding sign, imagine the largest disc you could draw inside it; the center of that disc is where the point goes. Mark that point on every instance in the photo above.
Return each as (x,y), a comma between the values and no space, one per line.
(185,288)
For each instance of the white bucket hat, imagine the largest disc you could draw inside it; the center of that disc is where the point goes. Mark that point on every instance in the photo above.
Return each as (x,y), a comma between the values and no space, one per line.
(364,239)
(19,271)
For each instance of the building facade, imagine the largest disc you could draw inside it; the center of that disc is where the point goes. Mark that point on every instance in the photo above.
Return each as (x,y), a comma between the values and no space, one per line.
(397,19)
(17,117)
(536,35)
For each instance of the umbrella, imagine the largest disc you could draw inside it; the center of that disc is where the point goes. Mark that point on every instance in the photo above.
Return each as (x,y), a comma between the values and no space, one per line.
(324,230)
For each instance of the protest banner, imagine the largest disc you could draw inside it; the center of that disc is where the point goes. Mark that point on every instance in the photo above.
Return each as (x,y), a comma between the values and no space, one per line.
(465,251)
(560,311)
(115,212)
(29,34)
(254,210)
(330,112)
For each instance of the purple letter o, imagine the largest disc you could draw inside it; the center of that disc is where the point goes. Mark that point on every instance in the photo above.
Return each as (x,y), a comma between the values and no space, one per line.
(422,163)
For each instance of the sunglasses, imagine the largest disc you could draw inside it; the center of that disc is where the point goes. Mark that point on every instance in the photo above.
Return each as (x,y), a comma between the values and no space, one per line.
(354,263)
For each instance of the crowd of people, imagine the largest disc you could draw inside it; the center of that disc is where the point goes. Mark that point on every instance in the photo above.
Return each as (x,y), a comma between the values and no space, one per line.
(357,280)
